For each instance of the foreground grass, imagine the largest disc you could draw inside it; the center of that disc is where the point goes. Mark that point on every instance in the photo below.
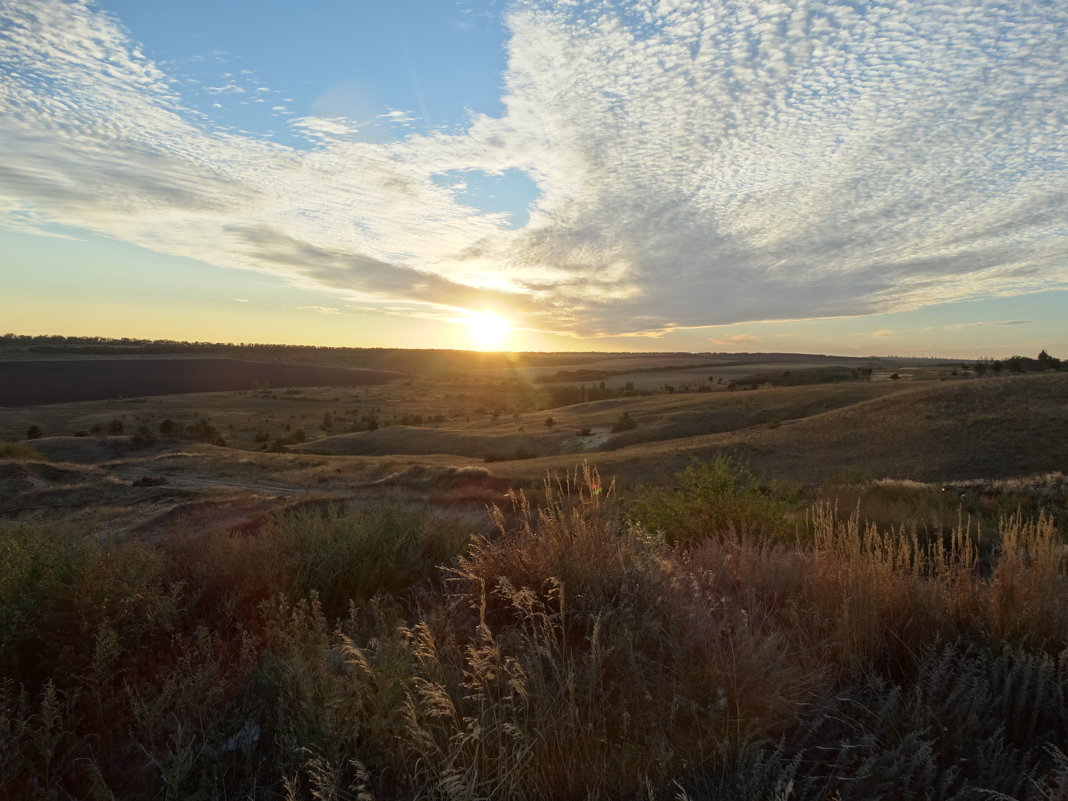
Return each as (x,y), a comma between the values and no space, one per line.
(658,647)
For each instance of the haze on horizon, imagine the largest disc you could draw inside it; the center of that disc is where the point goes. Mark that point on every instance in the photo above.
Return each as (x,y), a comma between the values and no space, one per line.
(809,176)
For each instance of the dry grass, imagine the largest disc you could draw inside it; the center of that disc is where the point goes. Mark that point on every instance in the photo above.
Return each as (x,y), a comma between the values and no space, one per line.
(572,654)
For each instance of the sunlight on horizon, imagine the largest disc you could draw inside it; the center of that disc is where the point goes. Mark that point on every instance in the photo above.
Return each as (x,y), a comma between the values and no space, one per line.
(488,331)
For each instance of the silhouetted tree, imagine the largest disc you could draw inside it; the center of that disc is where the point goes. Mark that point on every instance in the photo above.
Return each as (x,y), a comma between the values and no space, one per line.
(1047,362)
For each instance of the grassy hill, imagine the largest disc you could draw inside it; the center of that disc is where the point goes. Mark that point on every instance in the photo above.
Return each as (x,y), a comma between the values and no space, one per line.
(927,431)
(378,613)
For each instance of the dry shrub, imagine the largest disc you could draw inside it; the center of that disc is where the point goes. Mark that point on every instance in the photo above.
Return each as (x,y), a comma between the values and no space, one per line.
(735,608)
(565,681)
(529,712)
(576,538)
(1027,601)
(20,451)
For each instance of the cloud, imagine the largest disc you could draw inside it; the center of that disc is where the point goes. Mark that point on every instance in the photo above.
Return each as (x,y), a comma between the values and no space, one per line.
(320,309)
(226,89)
(736,339)
(985,324)
(698,163)
(884,333)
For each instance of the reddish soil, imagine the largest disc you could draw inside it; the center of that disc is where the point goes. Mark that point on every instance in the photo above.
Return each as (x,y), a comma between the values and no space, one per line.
(35,383)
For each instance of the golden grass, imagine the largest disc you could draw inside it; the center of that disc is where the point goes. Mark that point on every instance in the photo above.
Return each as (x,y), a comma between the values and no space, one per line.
(572,654)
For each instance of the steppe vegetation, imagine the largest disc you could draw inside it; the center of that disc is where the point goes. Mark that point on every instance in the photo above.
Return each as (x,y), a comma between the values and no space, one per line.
(756,647)
(850,590)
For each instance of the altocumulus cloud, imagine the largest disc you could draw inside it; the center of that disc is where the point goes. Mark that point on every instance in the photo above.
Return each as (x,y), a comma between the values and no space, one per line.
(697,163)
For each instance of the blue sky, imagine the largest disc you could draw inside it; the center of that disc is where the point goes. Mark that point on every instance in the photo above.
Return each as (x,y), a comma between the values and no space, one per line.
(856,178)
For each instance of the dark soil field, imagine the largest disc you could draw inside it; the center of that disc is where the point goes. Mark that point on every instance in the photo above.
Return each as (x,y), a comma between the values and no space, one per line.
(45,382)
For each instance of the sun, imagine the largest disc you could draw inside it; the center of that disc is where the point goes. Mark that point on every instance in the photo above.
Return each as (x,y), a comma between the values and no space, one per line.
(488,330)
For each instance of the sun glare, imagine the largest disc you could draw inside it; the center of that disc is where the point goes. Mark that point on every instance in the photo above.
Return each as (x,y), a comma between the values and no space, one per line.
(488,331)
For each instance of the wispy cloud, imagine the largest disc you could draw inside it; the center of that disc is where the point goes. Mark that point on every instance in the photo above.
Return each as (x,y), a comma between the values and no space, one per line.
(226,89)
(698,163)
(985,324)
(321,309)
(736,339)
(884,333)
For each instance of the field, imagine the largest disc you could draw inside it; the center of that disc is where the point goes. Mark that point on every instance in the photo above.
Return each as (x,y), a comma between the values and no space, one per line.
(29,383)
(440,582)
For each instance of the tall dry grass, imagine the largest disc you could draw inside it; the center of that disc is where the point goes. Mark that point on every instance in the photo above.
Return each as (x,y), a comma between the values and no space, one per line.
(573,654)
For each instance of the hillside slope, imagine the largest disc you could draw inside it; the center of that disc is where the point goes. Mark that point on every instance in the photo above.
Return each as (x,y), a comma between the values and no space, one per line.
(990,428)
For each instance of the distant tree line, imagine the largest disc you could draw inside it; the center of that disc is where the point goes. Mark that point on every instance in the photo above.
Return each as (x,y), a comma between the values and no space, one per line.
(1043,363)
(793,378)
(401,359)
(571,393)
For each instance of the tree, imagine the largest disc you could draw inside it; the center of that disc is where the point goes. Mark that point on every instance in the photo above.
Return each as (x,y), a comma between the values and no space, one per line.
(115,426)
(34,432)
(167,427)
(1047,362)
(549,422)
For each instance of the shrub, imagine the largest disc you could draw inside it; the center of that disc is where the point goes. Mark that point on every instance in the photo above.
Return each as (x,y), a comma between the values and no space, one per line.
(142,437)
(624,423)
(358,553)
(19,450)
(712,499)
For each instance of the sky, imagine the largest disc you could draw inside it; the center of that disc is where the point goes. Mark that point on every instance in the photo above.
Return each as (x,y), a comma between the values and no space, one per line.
(828,176)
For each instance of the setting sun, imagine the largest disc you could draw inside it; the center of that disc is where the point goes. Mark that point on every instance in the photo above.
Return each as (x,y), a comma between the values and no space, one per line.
(488,330)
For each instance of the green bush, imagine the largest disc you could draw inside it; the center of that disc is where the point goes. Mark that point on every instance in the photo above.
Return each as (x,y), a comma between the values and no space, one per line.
(357,553)
(714,498)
